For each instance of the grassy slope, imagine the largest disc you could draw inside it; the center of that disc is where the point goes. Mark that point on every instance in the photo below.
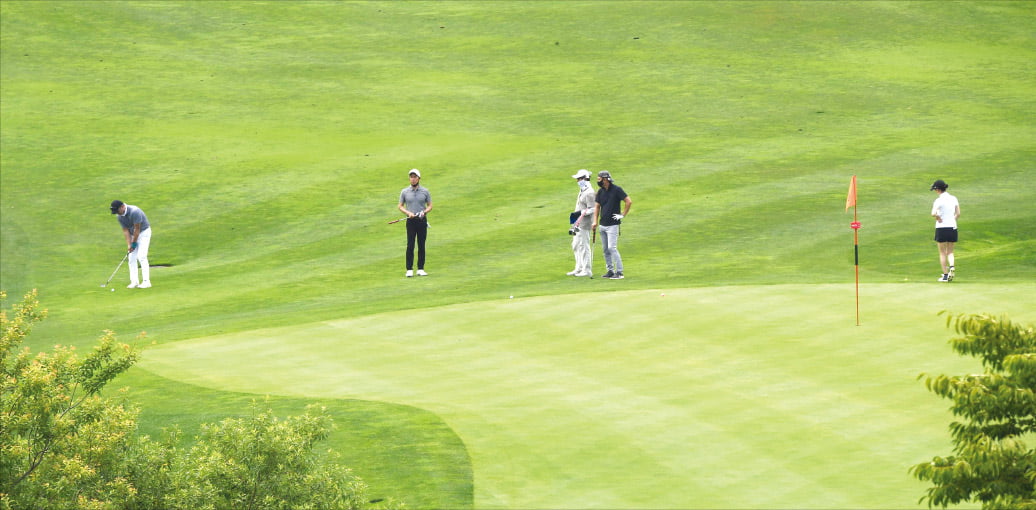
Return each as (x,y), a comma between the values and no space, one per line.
(719,397)
(267,144)
(401,452)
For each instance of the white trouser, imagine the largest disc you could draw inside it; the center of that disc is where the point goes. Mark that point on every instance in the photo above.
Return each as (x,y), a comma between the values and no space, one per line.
(140,256)
(581,250)
(610,241)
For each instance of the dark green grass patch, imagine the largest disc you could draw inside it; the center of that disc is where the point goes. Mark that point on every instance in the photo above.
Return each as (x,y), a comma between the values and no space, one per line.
(401,452)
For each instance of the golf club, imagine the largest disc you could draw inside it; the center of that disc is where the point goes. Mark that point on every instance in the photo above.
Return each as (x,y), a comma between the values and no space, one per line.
(401,219)
(105,284)
(593,244)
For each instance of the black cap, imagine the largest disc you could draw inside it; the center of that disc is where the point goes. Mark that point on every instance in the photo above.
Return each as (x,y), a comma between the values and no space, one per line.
(604,174)
(116,204)
(939,184)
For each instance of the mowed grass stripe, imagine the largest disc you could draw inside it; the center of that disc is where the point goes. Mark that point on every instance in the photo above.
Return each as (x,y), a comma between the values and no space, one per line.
(264,159)
(686,400)
(258,137)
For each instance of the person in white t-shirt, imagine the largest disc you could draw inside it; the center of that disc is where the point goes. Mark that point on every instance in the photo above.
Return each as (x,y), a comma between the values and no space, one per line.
(945,210)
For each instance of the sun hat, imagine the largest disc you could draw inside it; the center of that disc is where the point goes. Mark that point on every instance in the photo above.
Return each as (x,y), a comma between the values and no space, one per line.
(414,171)
(116,204)
(939,184)
(582,174)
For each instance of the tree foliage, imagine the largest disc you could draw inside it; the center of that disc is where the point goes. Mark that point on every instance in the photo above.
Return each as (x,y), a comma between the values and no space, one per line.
(991,462)
(64,446)
(258,462)
(60,442)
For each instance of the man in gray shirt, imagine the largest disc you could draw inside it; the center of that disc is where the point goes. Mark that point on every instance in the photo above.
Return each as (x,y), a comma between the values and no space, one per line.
(415,201)
(137,231)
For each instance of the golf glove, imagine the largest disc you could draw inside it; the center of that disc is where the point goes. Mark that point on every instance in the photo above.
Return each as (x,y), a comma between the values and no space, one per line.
(617,217)
(133,246)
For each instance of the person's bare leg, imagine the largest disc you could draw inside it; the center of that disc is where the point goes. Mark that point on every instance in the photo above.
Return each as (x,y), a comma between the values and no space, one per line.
(943,256)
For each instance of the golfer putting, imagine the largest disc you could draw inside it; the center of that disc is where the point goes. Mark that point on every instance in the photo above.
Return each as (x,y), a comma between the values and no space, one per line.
(137,231)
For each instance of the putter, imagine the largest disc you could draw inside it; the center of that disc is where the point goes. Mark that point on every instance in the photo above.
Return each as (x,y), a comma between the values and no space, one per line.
(124,257)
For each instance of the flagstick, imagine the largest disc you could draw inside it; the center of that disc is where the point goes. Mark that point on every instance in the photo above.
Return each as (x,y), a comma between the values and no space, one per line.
(856,252)
(850,201)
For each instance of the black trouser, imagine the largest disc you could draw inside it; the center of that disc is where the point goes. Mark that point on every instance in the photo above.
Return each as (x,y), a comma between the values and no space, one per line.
(416,230)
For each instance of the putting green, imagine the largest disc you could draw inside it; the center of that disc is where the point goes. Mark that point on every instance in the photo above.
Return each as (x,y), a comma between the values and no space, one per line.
(731,397)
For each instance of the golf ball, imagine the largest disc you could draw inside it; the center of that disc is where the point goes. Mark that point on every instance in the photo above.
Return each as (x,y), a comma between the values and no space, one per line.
(113,290)
(512,297)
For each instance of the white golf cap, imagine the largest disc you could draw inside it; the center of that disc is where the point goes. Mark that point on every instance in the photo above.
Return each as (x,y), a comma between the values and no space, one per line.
(414,171)
(582,174)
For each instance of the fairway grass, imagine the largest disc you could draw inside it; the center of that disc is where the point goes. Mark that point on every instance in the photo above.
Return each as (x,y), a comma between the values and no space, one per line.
(723,397)
(268,142)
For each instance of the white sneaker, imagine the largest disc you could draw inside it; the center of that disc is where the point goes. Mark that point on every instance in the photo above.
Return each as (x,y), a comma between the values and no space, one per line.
(949,276)
(146,284)
(572,273)
(409,273)
(420,272)
(132,286)
(944,278)
(583,273)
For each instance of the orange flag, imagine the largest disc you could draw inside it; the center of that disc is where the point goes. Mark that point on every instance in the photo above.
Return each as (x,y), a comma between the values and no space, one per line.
(850,200)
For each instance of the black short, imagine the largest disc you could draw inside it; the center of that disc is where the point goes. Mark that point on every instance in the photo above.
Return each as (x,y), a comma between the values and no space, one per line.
(946,235)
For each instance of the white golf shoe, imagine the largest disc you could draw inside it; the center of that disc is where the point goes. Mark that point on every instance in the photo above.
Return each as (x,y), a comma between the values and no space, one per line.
(146,284)
(420,272)
(132,285)
(409,273)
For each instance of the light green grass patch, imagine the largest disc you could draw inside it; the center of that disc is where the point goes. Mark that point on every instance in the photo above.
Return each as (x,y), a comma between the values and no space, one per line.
(726,397)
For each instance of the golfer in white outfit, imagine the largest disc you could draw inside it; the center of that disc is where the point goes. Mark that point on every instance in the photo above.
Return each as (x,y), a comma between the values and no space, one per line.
(581,228)
(137,231)
(945,210)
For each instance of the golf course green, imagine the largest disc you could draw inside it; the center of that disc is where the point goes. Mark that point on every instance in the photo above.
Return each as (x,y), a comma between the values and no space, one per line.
(697,397)
(268,143)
